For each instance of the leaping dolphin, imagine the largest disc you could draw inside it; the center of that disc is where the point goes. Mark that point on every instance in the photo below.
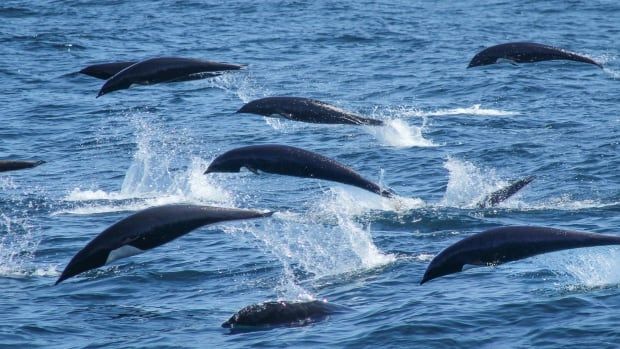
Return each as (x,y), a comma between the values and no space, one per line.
(507,244)
(291,161)
(306,110)
(281,313)
(12,165)
(148,229)
(499,196)
(161,69)
(526,52)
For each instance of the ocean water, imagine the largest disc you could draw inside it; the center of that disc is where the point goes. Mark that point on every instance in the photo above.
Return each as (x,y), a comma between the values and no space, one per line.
(453,135)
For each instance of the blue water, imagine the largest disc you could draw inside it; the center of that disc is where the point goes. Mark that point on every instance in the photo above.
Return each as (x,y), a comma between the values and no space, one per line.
(453,135)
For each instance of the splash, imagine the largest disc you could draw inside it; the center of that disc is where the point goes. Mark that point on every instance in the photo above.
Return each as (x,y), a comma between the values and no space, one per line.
(468,185)
(399,134)
(358,202)
(475,109)
(591,268)
(244,86)
(17,248)
(158,175)
(316,250)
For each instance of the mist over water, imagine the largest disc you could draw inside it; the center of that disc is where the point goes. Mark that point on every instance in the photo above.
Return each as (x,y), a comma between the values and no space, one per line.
(451,137)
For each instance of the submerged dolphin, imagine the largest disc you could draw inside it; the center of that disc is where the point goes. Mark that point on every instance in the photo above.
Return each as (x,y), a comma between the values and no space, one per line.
(12,165)
(526,52)
(281,313)
(506,244)
(291,161)
(162,69)
(148,229)
(306,110)
(503,194)
(105,71)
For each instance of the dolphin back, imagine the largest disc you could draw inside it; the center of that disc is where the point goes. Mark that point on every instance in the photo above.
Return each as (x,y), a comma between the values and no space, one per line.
(526,52)
(13,165)
(280,313)
(506,244)
(292,161)
(306,110)
(148,229)
(161,69)
(505,193)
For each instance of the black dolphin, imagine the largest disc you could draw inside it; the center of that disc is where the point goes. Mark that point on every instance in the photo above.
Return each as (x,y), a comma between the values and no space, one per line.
(503,194)
(105,71)
(506,244)
(306,110)
(12,165)
(291,161)
(148,229)
(526,52)
(281,313)
(162,69)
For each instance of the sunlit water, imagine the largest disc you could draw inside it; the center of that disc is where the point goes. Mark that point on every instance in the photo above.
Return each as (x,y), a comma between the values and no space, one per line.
(452,136)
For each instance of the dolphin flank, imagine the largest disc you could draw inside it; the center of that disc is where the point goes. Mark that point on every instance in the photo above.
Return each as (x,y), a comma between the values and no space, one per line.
(281,313)
(506,244)
(12,165)
(499,196)
(148,229)
(162,69)
(291,161)
(526,52)
(306,110)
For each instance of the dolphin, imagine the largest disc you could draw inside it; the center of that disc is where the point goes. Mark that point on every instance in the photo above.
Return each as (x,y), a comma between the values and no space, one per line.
(526,52)
(162,69)
(306,110)
(291,161)
(281,313)
(496,197)
(506,244)
(148,229)
(105,71)
(12,165)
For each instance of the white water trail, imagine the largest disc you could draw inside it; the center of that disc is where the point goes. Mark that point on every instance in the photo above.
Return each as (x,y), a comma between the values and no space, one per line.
(476,110)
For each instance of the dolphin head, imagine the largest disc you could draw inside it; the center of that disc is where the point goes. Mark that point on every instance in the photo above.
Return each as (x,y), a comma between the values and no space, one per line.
(87,259)
(259,107)
(482,58)
(224,164)
(113,84)
(443,264)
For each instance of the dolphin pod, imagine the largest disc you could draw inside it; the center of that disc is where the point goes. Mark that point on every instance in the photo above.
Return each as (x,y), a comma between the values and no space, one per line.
(291,161)
(506,244)
(306,110)
(505,193)
(526,52)
(161,69)
(281,313)
(148,229)
(12,165)
(105,71)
